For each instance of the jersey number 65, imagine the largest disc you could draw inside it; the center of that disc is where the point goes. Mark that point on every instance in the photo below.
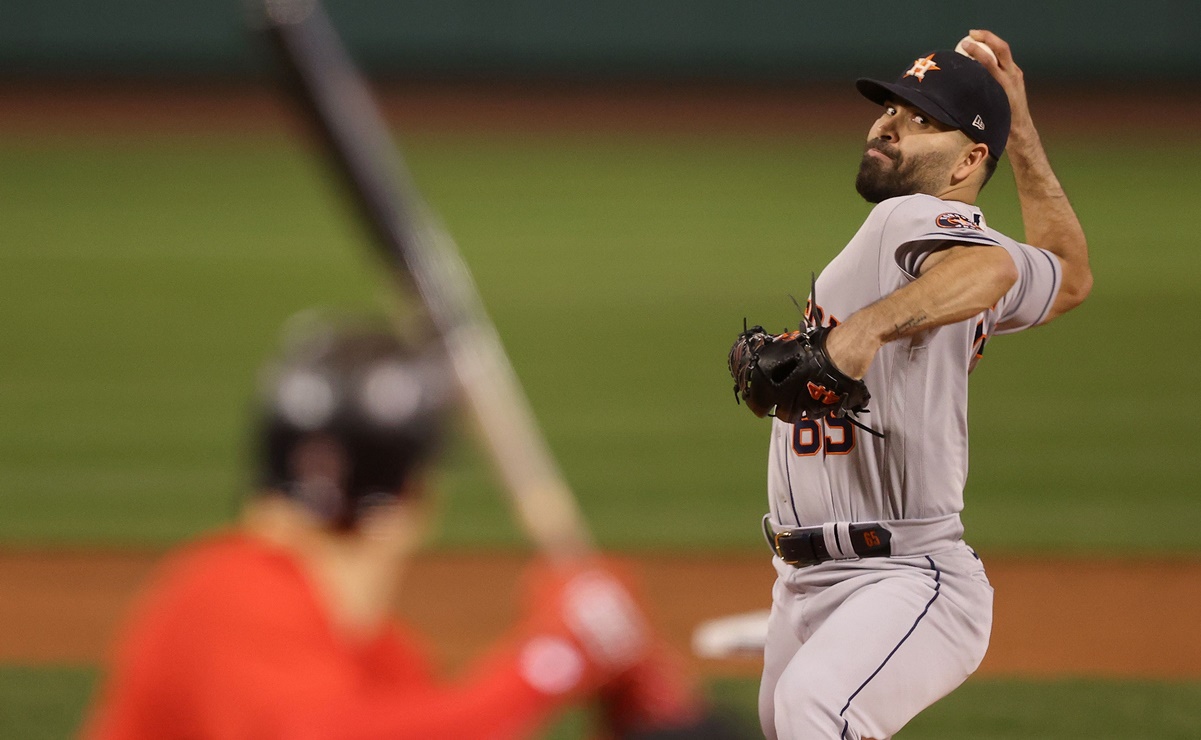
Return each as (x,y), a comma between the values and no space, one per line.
(836,435)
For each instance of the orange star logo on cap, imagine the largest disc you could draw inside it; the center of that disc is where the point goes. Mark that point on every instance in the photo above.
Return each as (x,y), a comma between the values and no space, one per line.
(921,67)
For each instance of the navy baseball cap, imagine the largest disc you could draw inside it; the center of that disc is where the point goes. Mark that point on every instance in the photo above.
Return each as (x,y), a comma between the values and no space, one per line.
(956,91)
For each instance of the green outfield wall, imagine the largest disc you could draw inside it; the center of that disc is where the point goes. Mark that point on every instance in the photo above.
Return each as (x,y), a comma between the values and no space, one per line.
(736,40)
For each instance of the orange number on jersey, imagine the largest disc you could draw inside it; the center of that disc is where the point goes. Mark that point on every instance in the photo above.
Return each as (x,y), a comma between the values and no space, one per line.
(840,436)
(808,437)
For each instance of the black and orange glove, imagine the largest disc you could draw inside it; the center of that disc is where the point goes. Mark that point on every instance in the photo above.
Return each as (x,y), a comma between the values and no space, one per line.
(793,375)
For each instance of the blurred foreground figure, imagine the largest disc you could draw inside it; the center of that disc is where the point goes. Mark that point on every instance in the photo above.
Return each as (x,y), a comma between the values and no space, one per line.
(280,628)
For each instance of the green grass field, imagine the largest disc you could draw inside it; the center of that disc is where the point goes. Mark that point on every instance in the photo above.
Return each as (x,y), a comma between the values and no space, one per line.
(143,282)
(46,704)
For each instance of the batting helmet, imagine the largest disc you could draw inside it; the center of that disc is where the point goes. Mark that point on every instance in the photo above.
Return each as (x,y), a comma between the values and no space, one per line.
(346,414)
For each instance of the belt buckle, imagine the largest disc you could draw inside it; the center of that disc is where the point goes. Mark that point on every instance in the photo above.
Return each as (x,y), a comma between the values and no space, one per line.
(775,544)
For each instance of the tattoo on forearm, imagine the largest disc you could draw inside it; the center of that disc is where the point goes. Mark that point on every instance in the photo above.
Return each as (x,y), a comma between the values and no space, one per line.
(908,327)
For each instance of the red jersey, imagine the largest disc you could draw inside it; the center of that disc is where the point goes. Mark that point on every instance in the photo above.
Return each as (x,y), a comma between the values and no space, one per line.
(233,642)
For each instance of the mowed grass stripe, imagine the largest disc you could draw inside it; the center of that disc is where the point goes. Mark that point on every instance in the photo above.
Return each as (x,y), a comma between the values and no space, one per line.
(1012,709)
(145,281)
(48,702)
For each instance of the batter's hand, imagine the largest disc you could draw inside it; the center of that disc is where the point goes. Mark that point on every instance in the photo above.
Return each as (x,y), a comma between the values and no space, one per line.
(657,694)
(583,628)
(1006,72)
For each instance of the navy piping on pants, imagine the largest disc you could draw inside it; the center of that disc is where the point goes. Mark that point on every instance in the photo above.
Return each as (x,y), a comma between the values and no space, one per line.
(846,724)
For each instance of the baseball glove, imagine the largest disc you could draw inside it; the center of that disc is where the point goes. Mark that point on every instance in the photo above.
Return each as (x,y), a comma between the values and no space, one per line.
(792,374)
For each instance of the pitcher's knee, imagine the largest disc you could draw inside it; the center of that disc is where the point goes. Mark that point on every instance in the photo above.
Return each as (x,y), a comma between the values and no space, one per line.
(804,710)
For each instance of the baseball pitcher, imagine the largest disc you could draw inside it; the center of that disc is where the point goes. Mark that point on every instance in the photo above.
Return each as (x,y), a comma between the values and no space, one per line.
(880,608)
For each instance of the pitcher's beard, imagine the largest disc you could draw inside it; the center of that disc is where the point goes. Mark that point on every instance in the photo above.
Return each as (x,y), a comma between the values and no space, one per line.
(879,180)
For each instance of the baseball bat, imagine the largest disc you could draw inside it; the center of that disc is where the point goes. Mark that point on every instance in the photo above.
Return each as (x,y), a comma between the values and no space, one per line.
(424,260)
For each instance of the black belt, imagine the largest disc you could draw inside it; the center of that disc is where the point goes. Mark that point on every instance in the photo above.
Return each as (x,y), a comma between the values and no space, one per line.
(807,545)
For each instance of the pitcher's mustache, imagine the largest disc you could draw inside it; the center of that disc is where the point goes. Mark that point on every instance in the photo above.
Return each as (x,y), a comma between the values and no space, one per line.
(884,148)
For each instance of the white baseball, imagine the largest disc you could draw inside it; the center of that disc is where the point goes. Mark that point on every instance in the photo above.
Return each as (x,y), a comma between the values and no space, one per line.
(980,48)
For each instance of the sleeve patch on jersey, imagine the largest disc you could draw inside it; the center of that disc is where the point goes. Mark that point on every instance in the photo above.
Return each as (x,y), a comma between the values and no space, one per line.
(952,220)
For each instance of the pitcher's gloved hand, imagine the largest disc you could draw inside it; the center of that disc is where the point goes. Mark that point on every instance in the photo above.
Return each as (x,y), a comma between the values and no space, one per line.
(793,374)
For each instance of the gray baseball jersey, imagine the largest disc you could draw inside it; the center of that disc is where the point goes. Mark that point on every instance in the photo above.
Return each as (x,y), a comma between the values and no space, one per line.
(857,647)
(829,471)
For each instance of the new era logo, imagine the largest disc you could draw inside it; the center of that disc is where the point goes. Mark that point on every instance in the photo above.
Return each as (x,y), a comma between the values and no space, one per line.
(978,123)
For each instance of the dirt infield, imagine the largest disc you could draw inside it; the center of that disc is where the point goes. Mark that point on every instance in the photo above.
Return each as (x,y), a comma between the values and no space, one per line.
(1054,617)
